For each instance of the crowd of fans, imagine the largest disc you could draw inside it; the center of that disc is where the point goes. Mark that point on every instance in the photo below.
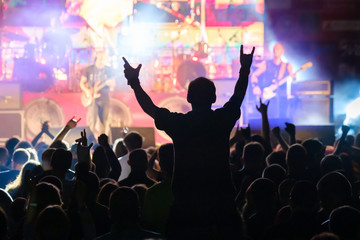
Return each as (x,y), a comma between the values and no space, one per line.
(204,185)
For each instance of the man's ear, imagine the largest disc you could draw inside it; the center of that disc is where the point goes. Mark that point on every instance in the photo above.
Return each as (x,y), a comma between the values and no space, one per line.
(188,98)
(213,98)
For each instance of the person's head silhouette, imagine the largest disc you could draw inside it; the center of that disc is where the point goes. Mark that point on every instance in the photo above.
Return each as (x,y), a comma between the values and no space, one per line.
(201,93)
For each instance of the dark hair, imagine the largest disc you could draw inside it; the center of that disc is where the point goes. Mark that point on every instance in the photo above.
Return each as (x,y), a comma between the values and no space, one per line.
(52,223)
(61,160)
(325,236)
(21,156)
(48,194)
(330,163)
(275,173)
(124,205)
(334,190)
(253,154)
(303,195)
(277,157)
(4,154)
(262,193)
(47,154)
(105,192)
(119,148)
(53,180)
(296,157)
(3,224)
(138,160)
(201,91)
(101,161)
(345,222)
(23,144)
(133,140)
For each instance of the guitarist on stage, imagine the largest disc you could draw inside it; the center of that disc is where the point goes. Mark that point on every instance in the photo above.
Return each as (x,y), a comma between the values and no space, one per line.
(272,71)
(96,83)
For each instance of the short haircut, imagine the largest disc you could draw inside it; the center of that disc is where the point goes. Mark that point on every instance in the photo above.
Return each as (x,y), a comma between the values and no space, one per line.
(133,140)
(201,91)
(21,156)
(124,205)
(138,160)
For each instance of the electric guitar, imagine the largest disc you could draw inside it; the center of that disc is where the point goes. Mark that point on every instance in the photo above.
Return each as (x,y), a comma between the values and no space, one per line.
(270,91)
(88,97)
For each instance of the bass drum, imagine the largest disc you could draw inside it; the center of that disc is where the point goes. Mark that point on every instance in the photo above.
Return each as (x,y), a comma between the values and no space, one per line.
(188,71)
(174,104)
(119,114)
(41,110)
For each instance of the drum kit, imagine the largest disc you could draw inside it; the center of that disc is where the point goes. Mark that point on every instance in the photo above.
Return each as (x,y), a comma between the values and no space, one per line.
(37,69)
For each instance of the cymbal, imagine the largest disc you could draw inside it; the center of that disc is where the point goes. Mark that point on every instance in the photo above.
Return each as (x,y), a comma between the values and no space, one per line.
(15,37)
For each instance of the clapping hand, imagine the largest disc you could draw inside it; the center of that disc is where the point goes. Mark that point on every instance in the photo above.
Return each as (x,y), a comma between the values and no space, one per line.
(131,74)
(246,59)
(45,127)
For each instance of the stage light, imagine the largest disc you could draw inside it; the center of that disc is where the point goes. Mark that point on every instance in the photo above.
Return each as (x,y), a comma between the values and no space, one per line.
(156,63)
(353,113)
(195,59)
(43,61)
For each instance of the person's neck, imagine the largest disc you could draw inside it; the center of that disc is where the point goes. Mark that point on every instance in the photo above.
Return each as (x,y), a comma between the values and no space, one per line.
(201,107)
(99,66)
(277,60)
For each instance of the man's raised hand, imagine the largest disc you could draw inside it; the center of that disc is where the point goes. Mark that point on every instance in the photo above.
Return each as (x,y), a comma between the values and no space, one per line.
(72,122)
(262,108)
(246,59)
(131,74)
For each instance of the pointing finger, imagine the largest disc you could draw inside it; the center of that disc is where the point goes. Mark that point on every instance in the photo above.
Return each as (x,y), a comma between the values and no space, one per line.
(242,50)
(125,61)
(253,50)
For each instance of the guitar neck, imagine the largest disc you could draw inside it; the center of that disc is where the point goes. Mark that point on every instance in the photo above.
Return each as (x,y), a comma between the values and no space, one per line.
(284,79)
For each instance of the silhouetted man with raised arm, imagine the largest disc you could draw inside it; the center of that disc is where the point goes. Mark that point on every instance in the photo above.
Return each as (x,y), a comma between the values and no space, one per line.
(203,206)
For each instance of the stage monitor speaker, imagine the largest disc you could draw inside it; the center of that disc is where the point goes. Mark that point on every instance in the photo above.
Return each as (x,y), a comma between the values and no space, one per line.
(311,88)
(325,133)
(11,124)
(312,110)
(74,134)
(10,96)
(147,132)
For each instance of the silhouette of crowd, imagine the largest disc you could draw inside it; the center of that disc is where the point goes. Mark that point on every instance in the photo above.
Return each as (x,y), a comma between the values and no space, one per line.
(214,181)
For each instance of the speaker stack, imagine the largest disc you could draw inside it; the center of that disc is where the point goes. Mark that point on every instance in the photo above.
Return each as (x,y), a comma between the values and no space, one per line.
(11,113)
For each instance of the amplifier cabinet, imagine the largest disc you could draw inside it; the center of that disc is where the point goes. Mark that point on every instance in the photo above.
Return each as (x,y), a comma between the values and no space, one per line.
(10,96)
(311,87)
(11,124)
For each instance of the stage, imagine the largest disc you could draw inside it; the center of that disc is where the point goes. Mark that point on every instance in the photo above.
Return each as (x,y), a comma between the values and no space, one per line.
(176,41)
